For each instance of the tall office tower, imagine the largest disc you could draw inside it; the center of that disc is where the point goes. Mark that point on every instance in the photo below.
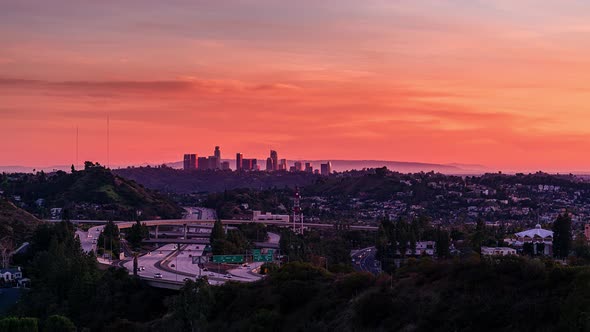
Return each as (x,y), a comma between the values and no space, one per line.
(275,160)
(225,165)
(308,167)
(247,164)
(254,164)
(292,169)
(190,162)
(269,165)
(203,163)
(283,165)
(326,168)
(298,166)
(217,155)
(214,162)
(239,159)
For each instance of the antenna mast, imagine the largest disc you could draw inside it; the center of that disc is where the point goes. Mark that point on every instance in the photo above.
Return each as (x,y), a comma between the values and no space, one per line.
(108,142)
(297,215)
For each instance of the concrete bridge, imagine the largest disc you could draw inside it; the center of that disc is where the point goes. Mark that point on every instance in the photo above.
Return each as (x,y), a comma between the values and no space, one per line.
(210,222)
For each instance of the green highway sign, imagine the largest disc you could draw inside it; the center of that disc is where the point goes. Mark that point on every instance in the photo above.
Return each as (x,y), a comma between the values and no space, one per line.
(228,258)
(257,256)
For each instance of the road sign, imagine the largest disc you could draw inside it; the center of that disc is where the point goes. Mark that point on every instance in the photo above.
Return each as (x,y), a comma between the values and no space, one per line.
(257,256)
(200,259)
(228,258)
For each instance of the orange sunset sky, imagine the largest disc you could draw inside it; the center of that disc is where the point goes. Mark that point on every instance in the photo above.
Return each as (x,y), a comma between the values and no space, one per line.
(505,84)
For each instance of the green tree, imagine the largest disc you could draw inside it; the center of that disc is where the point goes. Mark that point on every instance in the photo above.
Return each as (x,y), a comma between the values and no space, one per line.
(581,248)
(193,305)
(217,239)
(136,234)
(109,238)
(442,244)
(58,323)
(19,324)
(479,236)
(562,235)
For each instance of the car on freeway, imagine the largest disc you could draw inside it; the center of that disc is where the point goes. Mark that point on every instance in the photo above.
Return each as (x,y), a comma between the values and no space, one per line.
(205,269)
(186,279)
(228,276)
(142,268)
(158,275)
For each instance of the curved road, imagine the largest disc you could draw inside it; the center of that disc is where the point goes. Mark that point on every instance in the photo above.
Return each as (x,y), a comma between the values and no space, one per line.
(172,264)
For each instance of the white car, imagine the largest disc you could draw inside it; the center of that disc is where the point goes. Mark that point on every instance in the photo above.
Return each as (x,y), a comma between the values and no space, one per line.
(228,276)
(158,275)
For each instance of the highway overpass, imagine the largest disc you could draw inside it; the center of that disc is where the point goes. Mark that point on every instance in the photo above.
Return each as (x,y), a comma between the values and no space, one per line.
(197,222)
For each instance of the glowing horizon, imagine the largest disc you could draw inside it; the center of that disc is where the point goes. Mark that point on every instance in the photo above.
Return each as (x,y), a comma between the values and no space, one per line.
(495,83)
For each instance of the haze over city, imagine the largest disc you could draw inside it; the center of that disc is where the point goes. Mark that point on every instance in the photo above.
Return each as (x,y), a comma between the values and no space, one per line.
(476,82)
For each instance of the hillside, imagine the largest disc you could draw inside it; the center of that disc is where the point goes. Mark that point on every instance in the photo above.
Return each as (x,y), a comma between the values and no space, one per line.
(93,193)
(504,294)
(16,223)
(167,179)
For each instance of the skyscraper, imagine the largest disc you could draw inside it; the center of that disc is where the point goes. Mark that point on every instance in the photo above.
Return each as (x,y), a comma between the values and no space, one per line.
(326,168)
(283,165)
(247,164)
(225,166)
(217,155)
(203,163)
(239,158)
(190,162)
(213,163)
(298,166)
(269,164)
(309,167)
(275,160)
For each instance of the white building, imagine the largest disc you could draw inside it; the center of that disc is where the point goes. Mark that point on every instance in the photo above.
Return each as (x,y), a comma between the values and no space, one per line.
(536,237)
(259,216)
(497,251)
(11,274)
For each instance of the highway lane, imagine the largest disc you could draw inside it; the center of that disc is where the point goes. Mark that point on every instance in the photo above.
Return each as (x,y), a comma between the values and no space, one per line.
(364,260)
(174,265)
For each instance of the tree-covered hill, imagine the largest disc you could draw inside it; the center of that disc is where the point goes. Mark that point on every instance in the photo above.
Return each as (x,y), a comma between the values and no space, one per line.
(504,294)
(16,223)
(92,193)
(167,179)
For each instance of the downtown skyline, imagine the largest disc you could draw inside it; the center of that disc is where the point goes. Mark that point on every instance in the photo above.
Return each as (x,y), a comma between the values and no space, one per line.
(488,83)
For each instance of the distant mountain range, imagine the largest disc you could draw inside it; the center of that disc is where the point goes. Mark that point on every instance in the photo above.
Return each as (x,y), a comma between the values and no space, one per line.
(337,165)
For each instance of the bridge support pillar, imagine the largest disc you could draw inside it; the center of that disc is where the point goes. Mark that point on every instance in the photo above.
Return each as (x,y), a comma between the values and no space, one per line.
(156,231)
(185,231)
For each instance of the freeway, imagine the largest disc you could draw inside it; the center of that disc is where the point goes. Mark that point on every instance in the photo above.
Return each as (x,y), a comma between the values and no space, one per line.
(364,260)
(174,265)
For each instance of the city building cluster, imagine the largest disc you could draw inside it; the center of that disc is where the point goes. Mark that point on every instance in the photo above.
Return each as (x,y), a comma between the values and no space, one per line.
(192,162)
(273,164)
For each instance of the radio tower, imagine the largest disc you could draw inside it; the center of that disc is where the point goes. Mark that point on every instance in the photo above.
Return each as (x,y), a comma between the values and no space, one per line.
(297,215)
